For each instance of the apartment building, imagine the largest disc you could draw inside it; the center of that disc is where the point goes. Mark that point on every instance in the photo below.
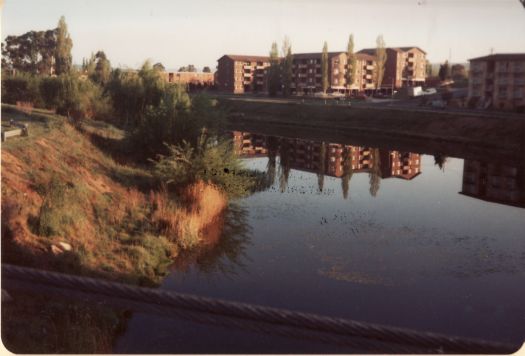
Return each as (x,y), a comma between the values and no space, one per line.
(307,75)
(498,81)
(404,66)
(197,78)
(494,182)
(242,74)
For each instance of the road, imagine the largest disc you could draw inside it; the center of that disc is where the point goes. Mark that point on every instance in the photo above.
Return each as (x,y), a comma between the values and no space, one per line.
(378,104)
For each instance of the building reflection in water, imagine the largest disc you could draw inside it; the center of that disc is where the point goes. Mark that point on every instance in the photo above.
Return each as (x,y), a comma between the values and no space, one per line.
(330,158)
(494,182)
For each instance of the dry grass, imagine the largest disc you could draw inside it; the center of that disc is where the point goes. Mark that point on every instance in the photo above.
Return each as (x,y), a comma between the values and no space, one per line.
(114,228)
(204,204)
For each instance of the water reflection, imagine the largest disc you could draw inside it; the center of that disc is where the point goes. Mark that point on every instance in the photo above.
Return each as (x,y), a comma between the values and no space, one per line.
(495,182)
(223,248)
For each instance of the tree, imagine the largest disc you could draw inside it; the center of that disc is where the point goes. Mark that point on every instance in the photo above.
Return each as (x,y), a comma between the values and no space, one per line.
(192,68)
(33,52)
(324,67)
(381,60)
(458,71)
(159,66)
(63,58)
(274,71)
(183,69)
(206,69)
(351,66)
(428,68)
(99,68)
(287,72)
(444,71)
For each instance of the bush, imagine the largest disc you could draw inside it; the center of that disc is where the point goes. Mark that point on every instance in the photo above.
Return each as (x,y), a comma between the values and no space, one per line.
(23,88)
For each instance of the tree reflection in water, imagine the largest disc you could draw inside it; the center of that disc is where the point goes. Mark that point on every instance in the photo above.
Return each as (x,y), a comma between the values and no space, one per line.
(347,170)
(223,249)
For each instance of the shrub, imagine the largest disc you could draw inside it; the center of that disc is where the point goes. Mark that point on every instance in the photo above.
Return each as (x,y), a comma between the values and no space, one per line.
(23,87)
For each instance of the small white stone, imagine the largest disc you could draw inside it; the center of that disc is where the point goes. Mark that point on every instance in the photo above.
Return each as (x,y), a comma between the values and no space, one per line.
(65,246)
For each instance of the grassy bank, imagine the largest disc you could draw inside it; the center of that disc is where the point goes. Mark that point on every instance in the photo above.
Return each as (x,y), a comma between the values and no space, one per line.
(68,205)
(500,133)
(72,202)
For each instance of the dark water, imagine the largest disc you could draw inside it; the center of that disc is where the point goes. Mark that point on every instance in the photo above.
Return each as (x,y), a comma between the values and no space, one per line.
(426,242)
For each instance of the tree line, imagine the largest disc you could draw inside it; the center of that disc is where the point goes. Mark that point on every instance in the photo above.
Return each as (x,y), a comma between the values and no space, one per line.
(161,120)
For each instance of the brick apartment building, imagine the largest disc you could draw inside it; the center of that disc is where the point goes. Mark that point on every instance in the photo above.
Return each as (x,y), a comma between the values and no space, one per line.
(240,74)
(197,78)
(494,182)
(405,66)
(498,81)
(307,76)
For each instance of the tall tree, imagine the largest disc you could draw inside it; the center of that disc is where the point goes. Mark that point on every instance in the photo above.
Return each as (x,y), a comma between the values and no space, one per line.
(159,66)
(33,52)
(63,58)
(351,66)
(324,67)
(381,60)
(444,71)
(206,69)
(99,68)
(287,72)
(274,71)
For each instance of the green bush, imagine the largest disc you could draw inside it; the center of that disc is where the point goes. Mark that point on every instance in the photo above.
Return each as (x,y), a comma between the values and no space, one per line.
(21,88)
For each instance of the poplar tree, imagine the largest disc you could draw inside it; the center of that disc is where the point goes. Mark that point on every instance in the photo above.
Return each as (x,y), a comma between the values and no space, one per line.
(324,67)
(381,60)
(63,58)
(351,62)
(274,70)
(287,72)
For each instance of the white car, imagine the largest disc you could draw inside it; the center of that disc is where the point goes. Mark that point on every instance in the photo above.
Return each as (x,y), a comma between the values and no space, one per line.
(320,94)
(337,94)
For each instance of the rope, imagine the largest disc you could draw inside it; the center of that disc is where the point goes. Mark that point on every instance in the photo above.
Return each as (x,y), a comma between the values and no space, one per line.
(246,316)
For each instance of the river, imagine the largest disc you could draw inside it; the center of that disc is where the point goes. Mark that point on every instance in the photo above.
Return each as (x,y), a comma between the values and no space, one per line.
(427,242)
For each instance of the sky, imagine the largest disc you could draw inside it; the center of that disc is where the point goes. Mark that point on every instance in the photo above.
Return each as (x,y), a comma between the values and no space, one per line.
(198,32)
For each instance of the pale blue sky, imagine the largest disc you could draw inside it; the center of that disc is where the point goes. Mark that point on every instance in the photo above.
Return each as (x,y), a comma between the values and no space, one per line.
(200,31)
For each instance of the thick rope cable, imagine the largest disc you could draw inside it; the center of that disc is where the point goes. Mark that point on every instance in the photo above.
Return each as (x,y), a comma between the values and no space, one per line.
(243,315)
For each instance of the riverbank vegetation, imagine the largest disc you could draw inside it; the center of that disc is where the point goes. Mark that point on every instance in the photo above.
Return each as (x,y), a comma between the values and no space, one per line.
(121,174)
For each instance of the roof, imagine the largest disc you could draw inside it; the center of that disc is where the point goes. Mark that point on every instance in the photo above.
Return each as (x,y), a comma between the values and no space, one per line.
(372,51)
(365,57)
(241,57)
(314,55)
(501,57)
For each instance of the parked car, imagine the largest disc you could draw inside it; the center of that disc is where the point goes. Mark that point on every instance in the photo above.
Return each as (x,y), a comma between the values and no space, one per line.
(337,94)
(320,94)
